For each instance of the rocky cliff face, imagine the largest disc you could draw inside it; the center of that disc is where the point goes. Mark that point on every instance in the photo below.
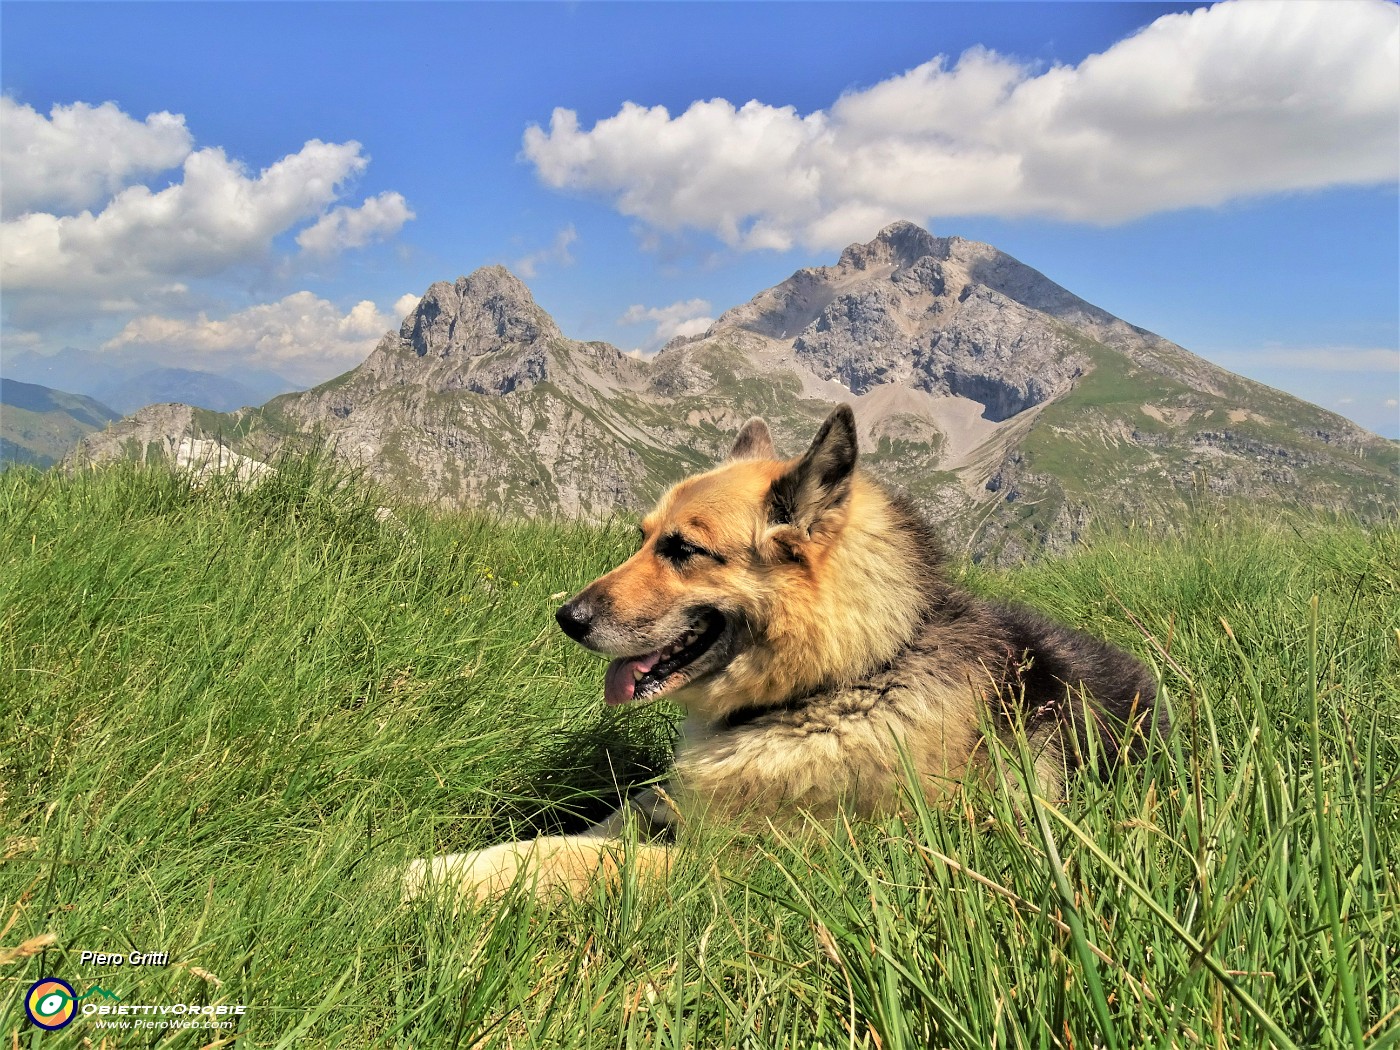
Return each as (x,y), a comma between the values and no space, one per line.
(1012,410)
(952,317)
(484,334)
(479,400)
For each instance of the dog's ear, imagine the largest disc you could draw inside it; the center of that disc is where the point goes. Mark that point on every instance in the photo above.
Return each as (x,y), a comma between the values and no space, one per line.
(754,442)
(813,492)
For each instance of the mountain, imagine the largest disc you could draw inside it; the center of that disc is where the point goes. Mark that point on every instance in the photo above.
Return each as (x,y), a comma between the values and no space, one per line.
(128,384)
(217,392)
(40,425)
(1013,411)
(78,371)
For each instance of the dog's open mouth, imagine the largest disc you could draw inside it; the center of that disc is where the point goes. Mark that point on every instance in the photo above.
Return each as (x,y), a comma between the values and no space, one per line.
(651,675)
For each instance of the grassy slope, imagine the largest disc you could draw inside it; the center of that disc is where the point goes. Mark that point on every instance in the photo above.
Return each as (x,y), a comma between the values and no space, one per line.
(1074,438)
(229,718)
(39,425)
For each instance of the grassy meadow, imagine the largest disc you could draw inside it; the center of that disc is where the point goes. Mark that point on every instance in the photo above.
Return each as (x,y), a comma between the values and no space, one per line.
(230,717)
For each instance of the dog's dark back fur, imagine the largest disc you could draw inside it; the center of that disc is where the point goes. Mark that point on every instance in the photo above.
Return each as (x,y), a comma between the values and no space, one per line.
(1046,676)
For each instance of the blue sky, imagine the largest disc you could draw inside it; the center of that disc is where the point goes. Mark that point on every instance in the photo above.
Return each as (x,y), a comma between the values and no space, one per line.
(248,185)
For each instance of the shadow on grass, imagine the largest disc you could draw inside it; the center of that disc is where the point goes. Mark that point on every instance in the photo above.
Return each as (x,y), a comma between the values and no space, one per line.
(581,778)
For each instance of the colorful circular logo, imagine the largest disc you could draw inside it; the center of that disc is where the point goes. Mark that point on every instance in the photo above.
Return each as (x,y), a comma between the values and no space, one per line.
(51,1004)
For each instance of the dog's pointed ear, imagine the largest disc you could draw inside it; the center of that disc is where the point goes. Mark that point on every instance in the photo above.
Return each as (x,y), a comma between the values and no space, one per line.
(754,442)
(814,489)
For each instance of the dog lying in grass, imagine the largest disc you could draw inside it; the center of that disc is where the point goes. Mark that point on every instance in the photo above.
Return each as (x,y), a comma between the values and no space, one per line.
(797,610)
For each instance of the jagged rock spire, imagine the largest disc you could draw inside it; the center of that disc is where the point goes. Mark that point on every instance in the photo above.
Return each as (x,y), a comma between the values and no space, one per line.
(488,310)
(902,243)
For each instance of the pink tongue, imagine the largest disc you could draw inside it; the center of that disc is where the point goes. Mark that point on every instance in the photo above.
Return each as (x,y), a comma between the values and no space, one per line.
(619,684)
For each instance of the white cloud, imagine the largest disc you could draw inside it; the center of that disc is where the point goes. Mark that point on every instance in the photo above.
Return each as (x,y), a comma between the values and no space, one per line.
(406,304)
(303,335)
(80,155)
(690,317)
(341,228)
(558,252)
(1318,359)
(157,250)
(1391,402)
(216,218)
(1236,100)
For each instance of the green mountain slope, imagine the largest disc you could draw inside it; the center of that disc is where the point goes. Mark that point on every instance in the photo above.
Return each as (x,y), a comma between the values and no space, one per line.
(40,425)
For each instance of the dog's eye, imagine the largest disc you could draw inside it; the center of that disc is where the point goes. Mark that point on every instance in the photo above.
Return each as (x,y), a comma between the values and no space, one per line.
(677,550)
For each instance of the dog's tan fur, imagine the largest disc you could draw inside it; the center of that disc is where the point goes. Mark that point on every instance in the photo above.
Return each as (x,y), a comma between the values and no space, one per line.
(852,660)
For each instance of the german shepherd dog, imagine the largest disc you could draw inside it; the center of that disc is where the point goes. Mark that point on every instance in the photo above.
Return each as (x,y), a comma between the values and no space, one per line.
(798,612)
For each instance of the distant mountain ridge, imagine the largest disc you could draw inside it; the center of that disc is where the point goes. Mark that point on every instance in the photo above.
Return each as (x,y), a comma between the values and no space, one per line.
(128,385)
(39,425)
(1013,411)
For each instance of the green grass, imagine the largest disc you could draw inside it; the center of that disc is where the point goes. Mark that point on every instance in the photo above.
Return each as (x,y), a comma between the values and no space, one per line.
(230,718)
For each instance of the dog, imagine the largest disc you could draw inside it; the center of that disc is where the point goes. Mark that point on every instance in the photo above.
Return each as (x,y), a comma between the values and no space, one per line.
(800,614)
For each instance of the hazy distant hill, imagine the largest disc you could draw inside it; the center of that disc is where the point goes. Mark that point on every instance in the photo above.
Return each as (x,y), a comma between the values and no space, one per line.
(219,393)
(40,425)
(1012,410)
(128,384)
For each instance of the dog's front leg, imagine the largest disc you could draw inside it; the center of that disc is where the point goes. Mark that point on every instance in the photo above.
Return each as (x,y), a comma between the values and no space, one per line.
(653,811)
(553,864)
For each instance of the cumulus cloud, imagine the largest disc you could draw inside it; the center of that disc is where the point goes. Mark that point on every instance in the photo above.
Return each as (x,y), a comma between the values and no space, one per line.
(690,317)
(341,228)
(143,249)
(557,253)
(80,155)
(217,217)
(406,304)
(302,335)
(1236,100)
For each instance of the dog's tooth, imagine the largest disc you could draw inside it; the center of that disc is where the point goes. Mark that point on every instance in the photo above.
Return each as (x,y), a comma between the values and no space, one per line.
(636,675)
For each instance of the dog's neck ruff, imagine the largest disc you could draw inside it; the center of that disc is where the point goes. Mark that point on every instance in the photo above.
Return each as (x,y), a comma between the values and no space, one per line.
(750,713)
(747,715)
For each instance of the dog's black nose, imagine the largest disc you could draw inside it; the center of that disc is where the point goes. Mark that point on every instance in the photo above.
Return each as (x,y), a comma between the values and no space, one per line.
(575,618)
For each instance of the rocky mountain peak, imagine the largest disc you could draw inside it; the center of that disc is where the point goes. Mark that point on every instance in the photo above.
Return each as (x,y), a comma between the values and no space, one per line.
(488,310)
(900,244)
(923,312)
(784,311)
